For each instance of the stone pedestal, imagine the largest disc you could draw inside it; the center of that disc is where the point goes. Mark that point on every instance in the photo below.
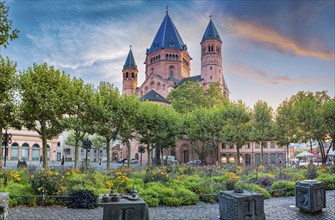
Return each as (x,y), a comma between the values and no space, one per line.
(241,206)
(310,195)
(4,200)
(125,209)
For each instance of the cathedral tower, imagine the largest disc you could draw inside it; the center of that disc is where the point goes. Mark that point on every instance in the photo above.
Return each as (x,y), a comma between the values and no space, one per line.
(211,58)
(129,71)
(167,56)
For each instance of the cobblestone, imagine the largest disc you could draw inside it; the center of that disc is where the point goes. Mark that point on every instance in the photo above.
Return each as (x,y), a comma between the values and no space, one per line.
(275,209)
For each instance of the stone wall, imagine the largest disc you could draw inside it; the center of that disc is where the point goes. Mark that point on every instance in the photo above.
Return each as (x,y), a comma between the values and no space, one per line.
(4,200)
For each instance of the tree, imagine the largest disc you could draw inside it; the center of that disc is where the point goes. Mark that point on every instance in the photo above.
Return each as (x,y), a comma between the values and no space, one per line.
(328,113)
(78,119)
(285,125)
(7,106)
(237,125)
(126,114)
(44,101)
(101,112)
(98,142)
(310,121)
(6,32)
(262,125)
(192,95)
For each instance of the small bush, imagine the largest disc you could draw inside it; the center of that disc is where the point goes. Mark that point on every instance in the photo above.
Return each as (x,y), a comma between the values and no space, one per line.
(255,188)
(329,179)
(311,172)
(17,189)
(82,199)
(285,188)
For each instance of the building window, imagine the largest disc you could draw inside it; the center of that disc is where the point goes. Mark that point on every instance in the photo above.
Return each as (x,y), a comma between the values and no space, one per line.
(210,77)
(258,145)
(133,75)
(210,68)
(272,159)
(257,159)
(247,146)
(223,158)
(266,159)
(14,151)
(223,146)
(25,152)
(231,158)
(231,146)
(248,160)
(272,144)
(36,152)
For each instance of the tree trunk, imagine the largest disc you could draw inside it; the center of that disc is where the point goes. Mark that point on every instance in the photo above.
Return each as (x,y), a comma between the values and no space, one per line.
(262,160)
(76,153)
(108,153)
(238,155)
(44,148)
(1,150)
(128,153)
(148,152)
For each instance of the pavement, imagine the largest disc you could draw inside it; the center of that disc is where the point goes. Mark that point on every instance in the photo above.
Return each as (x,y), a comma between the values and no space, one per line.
(282,208)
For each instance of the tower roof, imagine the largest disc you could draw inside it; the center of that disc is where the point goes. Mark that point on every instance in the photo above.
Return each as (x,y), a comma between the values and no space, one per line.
(211,32)
(167,36)
(130,61)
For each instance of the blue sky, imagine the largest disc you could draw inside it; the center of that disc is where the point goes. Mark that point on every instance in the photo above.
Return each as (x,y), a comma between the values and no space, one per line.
(271,49)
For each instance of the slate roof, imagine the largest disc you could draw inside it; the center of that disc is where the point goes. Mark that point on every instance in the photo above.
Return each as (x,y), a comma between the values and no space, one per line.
(130,61)
(192,78)
(167,36)
(211,32)
(153,96)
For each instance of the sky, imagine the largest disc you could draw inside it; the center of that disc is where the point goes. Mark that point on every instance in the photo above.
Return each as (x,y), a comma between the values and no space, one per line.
(271,49)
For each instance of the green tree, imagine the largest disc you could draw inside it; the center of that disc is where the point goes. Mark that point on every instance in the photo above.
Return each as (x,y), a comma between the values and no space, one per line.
(7,33)
(78,120)
(126,114)
(98,142)
(192,95)
(285,125)
(262,125)
(7,106)
(237,125)
(102,112)
(44,102)
(328,113)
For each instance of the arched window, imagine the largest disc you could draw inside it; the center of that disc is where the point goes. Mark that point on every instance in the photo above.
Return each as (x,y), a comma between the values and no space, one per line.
(272,159)
(231,158)
(132,75)
(158,86)
(171,71)
(212,48)
(266,159)
(281,158)
(177,57)
(257,159)
(36,152)
(146,89)
(48,151)
(151,60)
(14,151)
(173,57)
(248,160)
(152,84)
(126,75)
(223,158)
(163,87)
(159,57)
(25,152)
(209,48)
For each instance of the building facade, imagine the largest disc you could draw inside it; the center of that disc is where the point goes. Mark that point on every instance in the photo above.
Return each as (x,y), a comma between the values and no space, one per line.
(167,66)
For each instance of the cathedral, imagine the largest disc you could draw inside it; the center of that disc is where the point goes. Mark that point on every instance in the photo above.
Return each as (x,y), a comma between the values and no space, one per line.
(167,66)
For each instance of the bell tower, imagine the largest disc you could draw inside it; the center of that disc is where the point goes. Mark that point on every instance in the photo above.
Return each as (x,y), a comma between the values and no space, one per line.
(129,71)
(211,58)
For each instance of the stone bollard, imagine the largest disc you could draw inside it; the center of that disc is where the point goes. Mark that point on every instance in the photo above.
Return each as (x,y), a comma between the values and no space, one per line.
(4,200)
(310,195)
(241,205)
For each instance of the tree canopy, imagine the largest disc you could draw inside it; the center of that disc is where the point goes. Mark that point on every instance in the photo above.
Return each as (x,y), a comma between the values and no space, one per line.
(7,33)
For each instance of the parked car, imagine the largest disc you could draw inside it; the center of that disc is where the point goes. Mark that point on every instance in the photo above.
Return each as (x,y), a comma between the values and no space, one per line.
(170,160)
(196,162)
(132,161)
(122,160)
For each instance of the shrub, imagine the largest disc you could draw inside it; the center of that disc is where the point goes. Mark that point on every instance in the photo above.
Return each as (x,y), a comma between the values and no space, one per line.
(82,199)
(17,189)
(285,188)
(265,180)
(150,196)
(255,188)
(45,182)
(329,179)
(156,175)
(311,172)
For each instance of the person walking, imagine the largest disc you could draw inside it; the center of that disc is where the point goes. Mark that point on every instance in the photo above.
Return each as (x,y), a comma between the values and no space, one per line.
(41,159)
(63,160)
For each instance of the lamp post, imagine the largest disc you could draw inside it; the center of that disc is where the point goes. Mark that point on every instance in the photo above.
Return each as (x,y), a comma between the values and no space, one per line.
(87,144)
(141,150)
(6,139)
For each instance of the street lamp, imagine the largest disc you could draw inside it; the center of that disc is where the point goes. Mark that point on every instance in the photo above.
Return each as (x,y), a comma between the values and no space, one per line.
(141,150)
(87,144)
(6,139)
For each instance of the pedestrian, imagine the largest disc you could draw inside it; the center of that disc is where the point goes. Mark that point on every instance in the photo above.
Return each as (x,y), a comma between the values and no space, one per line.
(100,161)
(41,159)
(63,160)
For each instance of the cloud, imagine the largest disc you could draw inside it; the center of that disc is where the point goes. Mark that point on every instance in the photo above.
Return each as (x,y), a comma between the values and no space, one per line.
(274,39)
(264,78)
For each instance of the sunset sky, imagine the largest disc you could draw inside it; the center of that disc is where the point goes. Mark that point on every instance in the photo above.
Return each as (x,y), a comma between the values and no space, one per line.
(271,49)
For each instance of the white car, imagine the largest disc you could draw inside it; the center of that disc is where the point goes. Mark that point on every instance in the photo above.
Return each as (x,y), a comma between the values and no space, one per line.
(132,161)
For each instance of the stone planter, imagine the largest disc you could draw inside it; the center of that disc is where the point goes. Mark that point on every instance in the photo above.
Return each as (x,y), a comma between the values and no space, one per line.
(310,195)
(124,209)
(241,206)
(4,201)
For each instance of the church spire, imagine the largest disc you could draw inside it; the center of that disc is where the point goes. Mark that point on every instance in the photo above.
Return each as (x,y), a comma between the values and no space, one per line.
(167,36)
(211,32)
(130,61)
